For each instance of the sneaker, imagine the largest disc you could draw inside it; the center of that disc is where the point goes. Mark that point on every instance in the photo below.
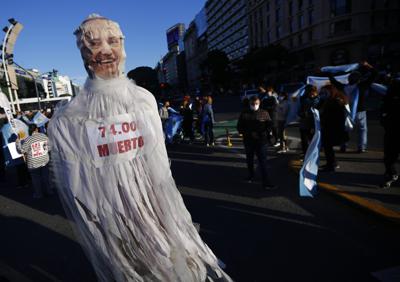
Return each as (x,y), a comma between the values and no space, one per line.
(37,197)
(277,144)
(389,180)
(208,145)
(249,179)
(270,187)
(328,168)
(360,151)
(213,144)
(282,151)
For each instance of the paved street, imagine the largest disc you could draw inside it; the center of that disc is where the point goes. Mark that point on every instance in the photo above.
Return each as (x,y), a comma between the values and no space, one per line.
(260,236)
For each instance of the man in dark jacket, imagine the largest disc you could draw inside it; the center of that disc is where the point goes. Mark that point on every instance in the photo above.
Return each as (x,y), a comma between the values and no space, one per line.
(253,124)
(362,83)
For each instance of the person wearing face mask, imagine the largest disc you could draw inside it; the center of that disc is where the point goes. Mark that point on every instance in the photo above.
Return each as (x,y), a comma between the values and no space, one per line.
(362,83)
(253,124)
(269,102)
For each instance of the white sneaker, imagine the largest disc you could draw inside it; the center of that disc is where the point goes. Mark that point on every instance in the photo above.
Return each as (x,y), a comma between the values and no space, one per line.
(282,151)
(277,144)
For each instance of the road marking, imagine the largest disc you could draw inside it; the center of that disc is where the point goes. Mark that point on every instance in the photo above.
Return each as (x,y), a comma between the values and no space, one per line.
(360,201)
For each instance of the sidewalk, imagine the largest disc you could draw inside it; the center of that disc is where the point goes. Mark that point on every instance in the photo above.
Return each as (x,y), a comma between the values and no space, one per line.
(358,180)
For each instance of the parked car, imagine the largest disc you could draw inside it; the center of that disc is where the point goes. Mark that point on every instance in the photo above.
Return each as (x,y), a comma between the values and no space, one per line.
(247,94)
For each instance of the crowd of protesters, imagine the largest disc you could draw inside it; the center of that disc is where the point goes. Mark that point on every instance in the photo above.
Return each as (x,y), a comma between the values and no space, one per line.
(263,121)
(31,167)
(197,119)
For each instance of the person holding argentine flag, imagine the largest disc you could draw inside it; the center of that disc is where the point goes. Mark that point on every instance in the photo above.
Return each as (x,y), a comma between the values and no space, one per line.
(356,90)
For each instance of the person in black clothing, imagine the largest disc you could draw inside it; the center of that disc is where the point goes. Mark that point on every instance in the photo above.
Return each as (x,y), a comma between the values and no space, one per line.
(308,100)
(390,118)
(187,124)
(333,124)
(253,124)
(269,102)
(362,83)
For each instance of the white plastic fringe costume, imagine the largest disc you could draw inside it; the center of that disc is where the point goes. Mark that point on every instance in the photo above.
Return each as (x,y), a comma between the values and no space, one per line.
(113,176)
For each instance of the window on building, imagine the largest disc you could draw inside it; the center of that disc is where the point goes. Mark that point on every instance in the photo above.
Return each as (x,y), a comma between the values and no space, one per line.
(373,4)
(268,37)
(278,31)
(341,27)
(278,14)
(386,20)
(310,2)
(386,4)
(278,3)
(300,6)
(300,39)
(340,7)
(310,17)
(290,5)
(267,6)
(291,25)
(268,21)
(301,21)
(291,42)
(310,35)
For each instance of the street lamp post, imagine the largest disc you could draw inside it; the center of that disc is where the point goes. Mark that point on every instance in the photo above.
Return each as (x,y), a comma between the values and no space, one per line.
(7,30)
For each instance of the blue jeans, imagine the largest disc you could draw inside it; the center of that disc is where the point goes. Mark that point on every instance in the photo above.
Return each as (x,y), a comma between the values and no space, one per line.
(362,130)
(40,181)
(260,150)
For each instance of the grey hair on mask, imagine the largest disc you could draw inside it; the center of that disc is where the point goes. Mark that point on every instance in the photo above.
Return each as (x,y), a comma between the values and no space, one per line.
(84,29)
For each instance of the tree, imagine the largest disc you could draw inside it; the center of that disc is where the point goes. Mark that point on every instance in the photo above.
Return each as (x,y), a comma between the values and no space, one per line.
(216,67)
(145,77)
(272,61)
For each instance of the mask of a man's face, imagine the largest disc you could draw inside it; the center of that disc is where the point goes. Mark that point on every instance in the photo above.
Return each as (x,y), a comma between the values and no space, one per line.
(102,48)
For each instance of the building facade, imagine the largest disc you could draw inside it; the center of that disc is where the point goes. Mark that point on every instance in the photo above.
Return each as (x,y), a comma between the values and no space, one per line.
(228,27)
(329,32)
(195,42)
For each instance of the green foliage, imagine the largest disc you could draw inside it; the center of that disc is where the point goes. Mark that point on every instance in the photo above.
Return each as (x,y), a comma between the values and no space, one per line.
(145,77)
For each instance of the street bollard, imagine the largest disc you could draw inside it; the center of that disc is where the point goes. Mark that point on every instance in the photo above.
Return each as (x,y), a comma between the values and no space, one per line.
(228,138)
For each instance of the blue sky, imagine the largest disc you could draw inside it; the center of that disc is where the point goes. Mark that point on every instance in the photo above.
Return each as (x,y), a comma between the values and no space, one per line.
(47,42)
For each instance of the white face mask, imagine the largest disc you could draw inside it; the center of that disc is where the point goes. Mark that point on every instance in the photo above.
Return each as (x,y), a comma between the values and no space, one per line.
(254,107)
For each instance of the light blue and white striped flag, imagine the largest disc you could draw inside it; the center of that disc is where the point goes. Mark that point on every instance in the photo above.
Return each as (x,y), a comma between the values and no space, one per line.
(309,171)
(341,68)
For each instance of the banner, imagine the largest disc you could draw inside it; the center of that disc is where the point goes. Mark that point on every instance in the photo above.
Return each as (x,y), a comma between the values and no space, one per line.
(294,106)
(379,88)
(40,119)
(173,124)
(320,81)
(341,68)
(309,171)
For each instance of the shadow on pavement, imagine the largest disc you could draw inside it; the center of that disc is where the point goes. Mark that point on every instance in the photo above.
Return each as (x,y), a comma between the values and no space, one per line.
(36,253)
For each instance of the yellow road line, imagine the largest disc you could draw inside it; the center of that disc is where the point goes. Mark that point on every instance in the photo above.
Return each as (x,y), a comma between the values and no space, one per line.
(360,201)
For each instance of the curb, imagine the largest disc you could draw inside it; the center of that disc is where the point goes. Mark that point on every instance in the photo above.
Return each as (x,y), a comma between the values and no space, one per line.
(361,202)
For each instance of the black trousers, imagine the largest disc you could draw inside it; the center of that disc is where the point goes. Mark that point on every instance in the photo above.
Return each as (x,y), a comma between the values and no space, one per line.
(306,136)
(209,133)
(259,150)
(391,151)
(330,155)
